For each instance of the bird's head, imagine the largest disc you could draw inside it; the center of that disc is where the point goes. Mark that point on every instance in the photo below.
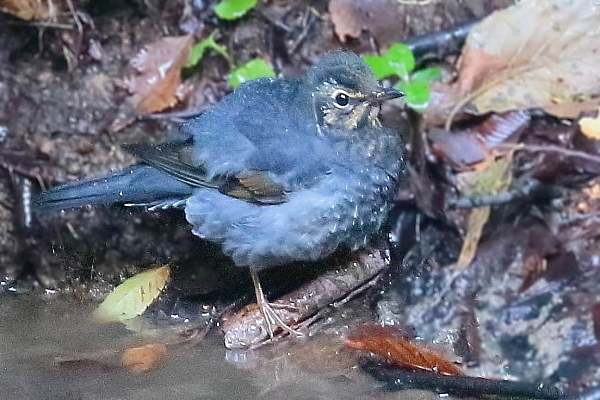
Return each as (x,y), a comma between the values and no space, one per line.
(345,93)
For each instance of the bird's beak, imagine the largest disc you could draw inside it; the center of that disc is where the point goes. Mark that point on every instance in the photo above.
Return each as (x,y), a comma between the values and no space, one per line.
(386,94)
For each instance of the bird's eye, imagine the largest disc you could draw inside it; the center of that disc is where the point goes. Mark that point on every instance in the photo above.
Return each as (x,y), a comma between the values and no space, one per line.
(342,99)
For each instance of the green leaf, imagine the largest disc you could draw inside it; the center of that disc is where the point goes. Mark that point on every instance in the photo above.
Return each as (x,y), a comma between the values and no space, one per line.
(416,94)
(200,48)
(380,66)
(133,296)
(402,59)
(399,60)
(233,9)
(253,69)
(426,75)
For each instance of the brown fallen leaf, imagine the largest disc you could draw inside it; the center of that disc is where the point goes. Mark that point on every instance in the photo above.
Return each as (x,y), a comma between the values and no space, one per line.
(33,10)
(391,344)
(534,267)
(157,84)
(535,54)
(464,148)
(391,21)
(378,17)
(144,358)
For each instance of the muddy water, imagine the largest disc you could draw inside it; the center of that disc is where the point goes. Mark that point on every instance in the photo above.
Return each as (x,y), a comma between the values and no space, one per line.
(34,332)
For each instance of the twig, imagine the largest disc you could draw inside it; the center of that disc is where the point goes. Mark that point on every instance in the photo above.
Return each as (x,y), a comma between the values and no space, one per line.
(247,328)
(308,22)
(42,24)
(397,379)
(528,189)
(553,149)
(446,41)
(78,24)
(275,22)
(349,296)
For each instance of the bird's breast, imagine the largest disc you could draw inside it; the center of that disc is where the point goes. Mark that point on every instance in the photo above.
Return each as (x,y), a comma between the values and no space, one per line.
(344,209)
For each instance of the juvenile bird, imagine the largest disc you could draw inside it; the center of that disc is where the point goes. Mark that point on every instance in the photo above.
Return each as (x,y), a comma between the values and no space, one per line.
(281,170)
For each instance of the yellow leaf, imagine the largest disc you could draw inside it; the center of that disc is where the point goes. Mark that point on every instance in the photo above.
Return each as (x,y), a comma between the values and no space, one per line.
(590,127)
(494,177)
(476,222)
(491,176)
(132,297)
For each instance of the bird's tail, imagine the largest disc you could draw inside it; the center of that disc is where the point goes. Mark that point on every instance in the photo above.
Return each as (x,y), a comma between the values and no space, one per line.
(139,184)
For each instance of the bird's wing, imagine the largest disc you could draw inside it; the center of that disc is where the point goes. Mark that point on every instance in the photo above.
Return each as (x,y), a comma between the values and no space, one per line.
(254,186)
(173,158)
(176,159)
(257,145)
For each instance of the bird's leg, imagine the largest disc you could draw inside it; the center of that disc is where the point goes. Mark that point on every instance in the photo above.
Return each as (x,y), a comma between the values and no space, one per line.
(271,318)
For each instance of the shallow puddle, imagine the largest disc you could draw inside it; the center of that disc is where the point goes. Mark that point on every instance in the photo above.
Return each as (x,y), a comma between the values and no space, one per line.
(34,332)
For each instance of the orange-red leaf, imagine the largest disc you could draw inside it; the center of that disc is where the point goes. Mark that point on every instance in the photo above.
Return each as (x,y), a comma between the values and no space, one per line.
(388,342)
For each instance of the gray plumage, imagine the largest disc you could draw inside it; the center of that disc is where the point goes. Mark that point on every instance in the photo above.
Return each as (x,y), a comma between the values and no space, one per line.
(281,170)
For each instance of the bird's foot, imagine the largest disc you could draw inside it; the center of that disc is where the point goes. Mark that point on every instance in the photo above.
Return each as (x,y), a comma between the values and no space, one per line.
(273,320)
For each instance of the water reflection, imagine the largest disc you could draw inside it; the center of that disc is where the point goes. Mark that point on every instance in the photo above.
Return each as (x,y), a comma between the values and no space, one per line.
(35,331)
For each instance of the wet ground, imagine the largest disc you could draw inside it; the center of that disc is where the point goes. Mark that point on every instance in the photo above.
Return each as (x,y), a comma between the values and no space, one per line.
(43,333)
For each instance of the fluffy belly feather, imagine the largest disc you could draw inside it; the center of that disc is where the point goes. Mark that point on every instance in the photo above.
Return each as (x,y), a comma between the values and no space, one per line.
(342,211)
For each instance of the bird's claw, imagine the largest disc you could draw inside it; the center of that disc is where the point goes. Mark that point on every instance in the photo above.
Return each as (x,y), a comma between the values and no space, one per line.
(273,320)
